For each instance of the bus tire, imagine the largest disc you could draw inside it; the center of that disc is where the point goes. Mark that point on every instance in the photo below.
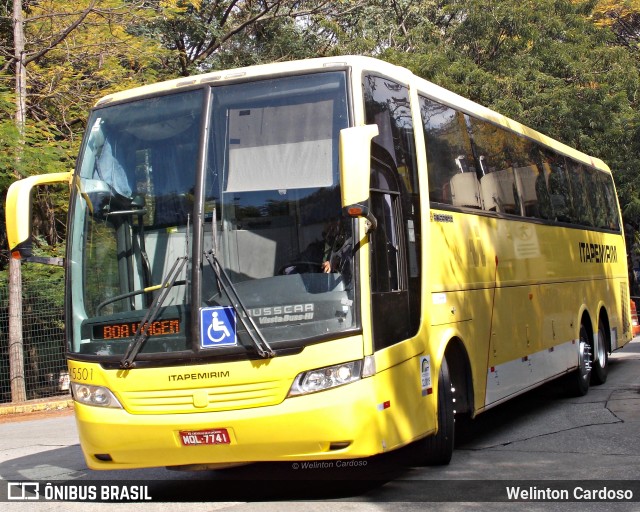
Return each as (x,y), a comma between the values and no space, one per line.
(579,379)
(601,366)
(437,450)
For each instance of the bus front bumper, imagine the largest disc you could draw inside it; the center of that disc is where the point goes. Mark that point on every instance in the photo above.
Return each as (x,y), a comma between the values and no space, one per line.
(333,424)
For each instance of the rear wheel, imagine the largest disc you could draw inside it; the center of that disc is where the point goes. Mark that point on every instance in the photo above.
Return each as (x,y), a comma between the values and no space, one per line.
(601,366)
(437,450)
(579,379)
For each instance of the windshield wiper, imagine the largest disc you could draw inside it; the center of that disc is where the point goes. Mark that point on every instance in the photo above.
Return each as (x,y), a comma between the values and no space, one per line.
(142,332)
(225,284)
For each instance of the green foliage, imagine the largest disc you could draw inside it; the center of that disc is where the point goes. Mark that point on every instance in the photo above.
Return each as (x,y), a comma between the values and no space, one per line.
(544,63)
(568,68)
(75,52)
(33,273)
(204,35)
(101,55)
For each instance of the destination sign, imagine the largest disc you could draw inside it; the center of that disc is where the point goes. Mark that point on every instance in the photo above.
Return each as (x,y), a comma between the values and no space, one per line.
(115,331)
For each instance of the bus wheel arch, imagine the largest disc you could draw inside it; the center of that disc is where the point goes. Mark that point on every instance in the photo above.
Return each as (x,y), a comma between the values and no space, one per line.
(437,449)
(455,399)
(460,373)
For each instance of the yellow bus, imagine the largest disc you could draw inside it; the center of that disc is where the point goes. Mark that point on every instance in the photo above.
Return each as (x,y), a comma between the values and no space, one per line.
(324,259)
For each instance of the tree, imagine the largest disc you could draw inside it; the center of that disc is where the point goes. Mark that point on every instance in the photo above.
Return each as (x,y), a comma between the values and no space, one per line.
(73,53)
(624,20)
(16,352)
(209,34)
(568,68)
(34,40)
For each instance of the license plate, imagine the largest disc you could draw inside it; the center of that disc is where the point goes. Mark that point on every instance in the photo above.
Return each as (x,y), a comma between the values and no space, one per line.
(200,437)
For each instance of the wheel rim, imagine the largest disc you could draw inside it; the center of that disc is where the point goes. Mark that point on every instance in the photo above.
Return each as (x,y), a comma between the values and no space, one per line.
(585,360)
(602,351)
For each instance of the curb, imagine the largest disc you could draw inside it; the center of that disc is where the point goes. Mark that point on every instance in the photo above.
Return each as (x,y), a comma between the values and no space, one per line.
(55,404)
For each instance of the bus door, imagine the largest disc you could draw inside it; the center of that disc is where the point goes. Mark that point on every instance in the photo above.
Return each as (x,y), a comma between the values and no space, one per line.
(389,290)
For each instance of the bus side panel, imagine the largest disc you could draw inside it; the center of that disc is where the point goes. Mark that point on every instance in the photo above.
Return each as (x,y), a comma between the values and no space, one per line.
(407,410)
(516,293)
(462,273)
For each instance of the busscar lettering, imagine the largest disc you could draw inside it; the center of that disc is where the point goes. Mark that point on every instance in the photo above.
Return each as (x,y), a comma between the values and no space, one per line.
(198,376)
(282,310)
(279,314)
(597,253)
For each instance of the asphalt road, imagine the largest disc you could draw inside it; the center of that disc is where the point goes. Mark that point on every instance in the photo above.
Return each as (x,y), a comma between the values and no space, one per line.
(541,442)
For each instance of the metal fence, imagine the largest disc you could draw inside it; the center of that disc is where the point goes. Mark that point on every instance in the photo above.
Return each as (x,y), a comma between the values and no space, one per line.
(45,369)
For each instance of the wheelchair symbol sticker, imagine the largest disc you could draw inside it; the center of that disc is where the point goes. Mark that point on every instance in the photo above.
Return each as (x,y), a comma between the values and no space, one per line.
(217,327)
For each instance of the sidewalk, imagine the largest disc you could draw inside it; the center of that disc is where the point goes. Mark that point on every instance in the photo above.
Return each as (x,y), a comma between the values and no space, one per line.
(42,405)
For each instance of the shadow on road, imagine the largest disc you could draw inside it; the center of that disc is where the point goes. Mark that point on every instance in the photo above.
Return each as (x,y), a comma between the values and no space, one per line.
(313,480)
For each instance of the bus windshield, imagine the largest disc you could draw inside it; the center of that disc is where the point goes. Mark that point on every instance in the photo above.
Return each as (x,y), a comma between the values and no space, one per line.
(247,175)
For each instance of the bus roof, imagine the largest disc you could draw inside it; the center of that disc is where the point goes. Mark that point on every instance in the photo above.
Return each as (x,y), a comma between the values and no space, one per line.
(358,64)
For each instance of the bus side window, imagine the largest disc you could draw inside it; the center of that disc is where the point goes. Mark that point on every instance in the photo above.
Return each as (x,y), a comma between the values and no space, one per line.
(599,207)
(529,176)
(578,188)
(610,201)
(528,185)
(494,154)
(545,208)
(450,163)
(559,187)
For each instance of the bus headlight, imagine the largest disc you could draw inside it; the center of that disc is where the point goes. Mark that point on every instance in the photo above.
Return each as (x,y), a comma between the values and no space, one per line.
(328,377)
(98,396)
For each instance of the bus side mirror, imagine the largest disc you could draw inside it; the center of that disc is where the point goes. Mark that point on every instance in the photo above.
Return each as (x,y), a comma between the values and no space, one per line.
(355,169)
(18,211)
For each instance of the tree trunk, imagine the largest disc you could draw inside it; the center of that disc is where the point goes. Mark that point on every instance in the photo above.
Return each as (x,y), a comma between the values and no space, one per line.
(16,350)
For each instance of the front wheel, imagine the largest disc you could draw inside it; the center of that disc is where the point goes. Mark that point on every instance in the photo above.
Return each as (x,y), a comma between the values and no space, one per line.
(437,450)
